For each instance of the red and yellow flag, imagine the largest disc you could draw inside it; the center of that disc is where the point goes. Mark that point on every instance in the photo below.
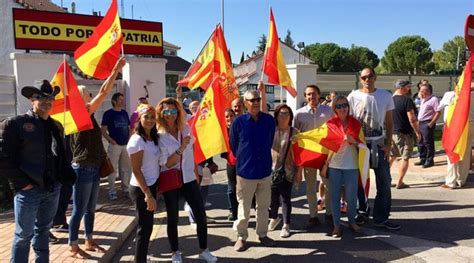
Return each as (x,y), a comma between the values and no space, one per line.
(97,56)
(213,60)
(274,65)
(455,131)
(68,107)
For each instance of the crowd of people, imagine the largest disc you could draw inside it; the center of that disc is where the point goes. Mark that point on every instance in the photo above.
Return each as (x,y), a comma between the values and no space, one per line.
(260,168)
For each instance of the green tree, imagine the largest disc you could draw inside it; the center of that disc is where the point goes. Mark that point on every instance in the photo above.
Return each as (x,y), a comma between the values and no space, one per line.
(446,58)
(361,57)
(329,56)
(262,43)
(408,54)
(288,40)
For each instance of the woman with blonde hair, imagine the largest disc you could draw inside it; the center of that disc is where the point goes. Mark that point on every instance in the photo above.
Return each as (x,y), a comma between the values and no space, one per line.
(176,146)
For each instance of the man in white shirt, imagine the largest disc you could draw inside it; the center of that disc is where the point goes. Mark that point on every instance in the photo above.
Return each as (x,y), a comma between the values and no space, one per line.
(310,117)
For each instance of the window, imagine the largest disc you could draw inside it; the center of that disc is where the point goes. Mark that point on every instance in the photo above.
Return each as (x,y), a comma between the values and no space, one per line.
(171,86)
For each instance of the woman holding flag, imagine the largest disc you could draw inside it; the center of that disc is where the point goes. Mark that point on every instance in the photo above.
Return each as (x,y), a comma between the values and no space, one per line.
(342,167)
(88,154)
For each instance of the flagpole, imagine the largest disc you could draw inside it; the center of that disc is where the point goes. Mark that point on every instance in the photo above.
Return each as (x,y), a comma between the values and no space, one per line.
(64,90)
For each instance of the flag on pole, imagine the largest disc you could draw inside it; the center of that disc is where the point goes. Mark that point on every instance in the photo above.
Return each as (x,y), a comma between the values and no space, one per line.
(455,130)
(274,65)
(213,60)
(68,107)
(97,56)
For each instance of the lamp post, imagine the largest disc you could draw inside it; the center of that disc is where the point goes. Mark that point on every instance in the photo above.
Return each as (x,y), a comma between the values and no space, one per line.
(300,47)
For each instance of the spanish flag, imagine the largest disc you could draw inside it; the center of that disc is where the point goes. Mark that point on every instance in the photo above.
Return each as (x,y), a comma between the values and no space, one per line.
(97,56)
(274,65)
(68,107)
(213,60)
(455,131)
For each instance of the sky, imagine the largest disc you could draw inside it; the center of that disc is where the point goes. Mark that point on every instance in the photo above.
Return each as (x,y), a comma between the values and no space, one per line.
(369,23)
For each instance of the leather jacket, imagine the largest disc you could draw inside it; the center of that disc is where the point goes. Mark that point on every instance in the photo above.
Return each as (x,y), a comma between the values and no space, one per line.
(23,152)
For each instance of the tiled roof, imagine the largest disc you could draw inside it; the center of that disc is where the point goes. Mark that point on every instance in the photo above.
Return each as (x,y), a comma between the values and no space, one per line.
(43,5)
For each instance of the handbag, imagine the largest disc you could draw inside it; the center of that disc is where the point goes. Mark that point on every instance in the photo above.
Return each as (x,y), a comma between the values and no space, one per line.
(106,168)
(279,174)
(170,179)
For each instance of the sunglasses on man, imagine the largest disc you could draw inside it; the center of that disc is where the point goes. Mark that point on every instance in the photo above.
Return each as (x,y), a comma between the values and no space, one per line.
(368,77)
(342,106)
(254,100)
(41,98)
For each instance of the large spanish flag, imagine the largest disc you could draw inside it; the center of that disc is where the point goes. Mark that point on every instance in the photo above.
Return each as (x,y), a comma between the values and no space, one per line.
(213,60)
(274,65)
(455,131)
(68,107)
(97,56)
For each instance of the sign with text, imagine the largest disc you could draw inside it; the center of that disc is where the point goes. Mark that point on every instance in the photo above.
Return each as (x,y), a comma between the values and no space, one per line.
(42,30)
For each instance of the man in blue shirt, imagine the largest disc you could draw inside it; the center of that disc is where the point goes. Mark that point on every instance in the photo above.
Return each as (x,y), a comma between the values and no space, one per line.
(251,139)
(116,130)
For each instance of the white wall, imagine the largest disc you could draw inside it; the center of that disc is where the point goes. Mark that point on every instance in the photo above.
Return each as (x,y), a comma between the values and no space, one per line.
(7,44)
(302,75)
(140,72)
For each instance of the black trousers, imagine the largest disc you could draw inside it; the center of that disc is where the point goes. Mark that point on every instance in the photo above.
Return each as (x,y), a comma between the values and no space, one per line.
(426,147)
(145,222)
(192,195)
(231,189)
(64,197)
(281,193)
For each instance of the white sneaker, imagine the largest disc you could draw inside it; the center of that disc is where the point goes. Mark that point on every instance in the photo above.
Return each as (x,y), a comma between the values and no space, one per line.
(207,204)
(285,231)
(176,258)
(273,223)
(207,256)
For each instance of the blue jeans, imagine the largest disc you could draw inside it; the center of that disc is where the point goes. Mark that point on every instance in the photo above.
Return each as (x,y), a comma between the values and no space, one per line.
(383,197)
(34,213)
(348,178)
(85,192)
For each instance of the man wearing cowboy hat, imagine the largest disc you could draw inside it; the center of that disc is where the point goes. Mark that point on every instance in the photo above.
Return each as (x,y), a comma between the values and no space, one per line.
(33,159)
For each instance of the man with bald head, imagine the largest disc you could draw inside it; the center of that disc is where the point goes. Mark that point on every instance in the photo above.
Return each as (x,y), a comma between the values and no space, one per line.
(238,107)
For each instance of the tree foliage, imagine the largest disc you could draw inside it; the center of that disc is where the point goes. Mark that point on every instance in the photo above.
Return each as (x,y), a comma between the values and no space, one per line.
(262,42)
(408,54)
(288,40)
(362,57)
(446,58)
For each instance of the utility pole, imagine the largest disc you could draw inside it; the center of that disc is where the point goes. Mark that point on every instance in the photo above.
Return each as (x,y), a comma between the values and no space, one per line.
(132,11)
(457,59)
(222,14)
(122,8)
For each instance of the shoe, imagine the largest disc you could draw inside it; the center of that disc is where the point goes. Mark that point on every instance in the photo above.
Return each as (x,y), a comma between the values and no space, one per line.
(336,233)
(176,257)
(393,185)
(210,220)
(427,165)
(321,204)
(240,245)
(207,256)
(64,228)
(274,222)
(402,186)
(419,163)
(112,196)
(361,219)
(53,239)
(285,231)
(207,204)
(343,207)
(231,217)
(355,228)
(388,225)
(445,186)
(313,222)
(266,241)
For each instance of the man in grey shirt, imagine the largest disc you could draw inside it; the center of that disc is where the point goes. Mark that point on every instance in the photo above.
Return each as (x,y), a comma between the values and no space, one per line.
(310,117)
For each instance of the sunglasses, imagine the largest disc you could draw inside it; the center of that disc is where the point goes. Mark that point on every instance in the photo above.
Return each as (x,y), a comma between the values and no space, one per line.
(254,100)
(368,77)
(38,97)
(284,113)
(342,106)
(170,112)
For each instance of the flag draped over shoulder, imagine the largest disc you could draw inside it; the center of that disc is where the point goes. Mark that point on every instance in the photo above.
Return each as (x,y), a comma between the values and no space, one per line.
(274,65)
(97,56)
(213,60)
(68,107)
(455,131)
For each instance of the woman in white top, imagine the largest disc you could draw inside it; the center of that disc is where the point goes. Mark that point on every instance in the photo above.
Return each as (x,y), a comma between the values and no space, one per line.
(144,155)
(176,145)
(343,166)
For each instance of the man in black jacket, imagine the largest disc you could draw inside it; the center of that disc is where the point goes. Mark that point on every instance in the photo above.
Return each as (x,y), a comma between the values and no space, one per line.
(32,157)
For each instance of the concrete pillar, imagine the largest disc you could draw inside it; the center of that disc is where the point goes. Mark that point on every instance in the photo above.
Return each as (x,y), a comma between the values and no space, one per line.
(302,75)
(29,67)
(140,72)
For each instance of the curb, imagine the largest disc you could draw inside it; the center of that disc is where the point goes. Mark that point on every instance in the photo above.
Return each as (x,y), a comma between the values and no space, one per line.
(117,245)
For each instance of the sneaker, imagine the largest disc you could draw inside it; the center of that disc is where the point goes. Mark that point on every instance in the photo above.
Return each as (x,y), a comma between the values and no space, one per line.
(231,217)
(112,196)
(419,163)
(176,257)
(313,222)
(210,220)
(53,239)
(64,228)
(240,245)
(285,231)
(389,225)
(207,204)
(266,241)
(361,219)
(402,186)
(207,256)
(273,223)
